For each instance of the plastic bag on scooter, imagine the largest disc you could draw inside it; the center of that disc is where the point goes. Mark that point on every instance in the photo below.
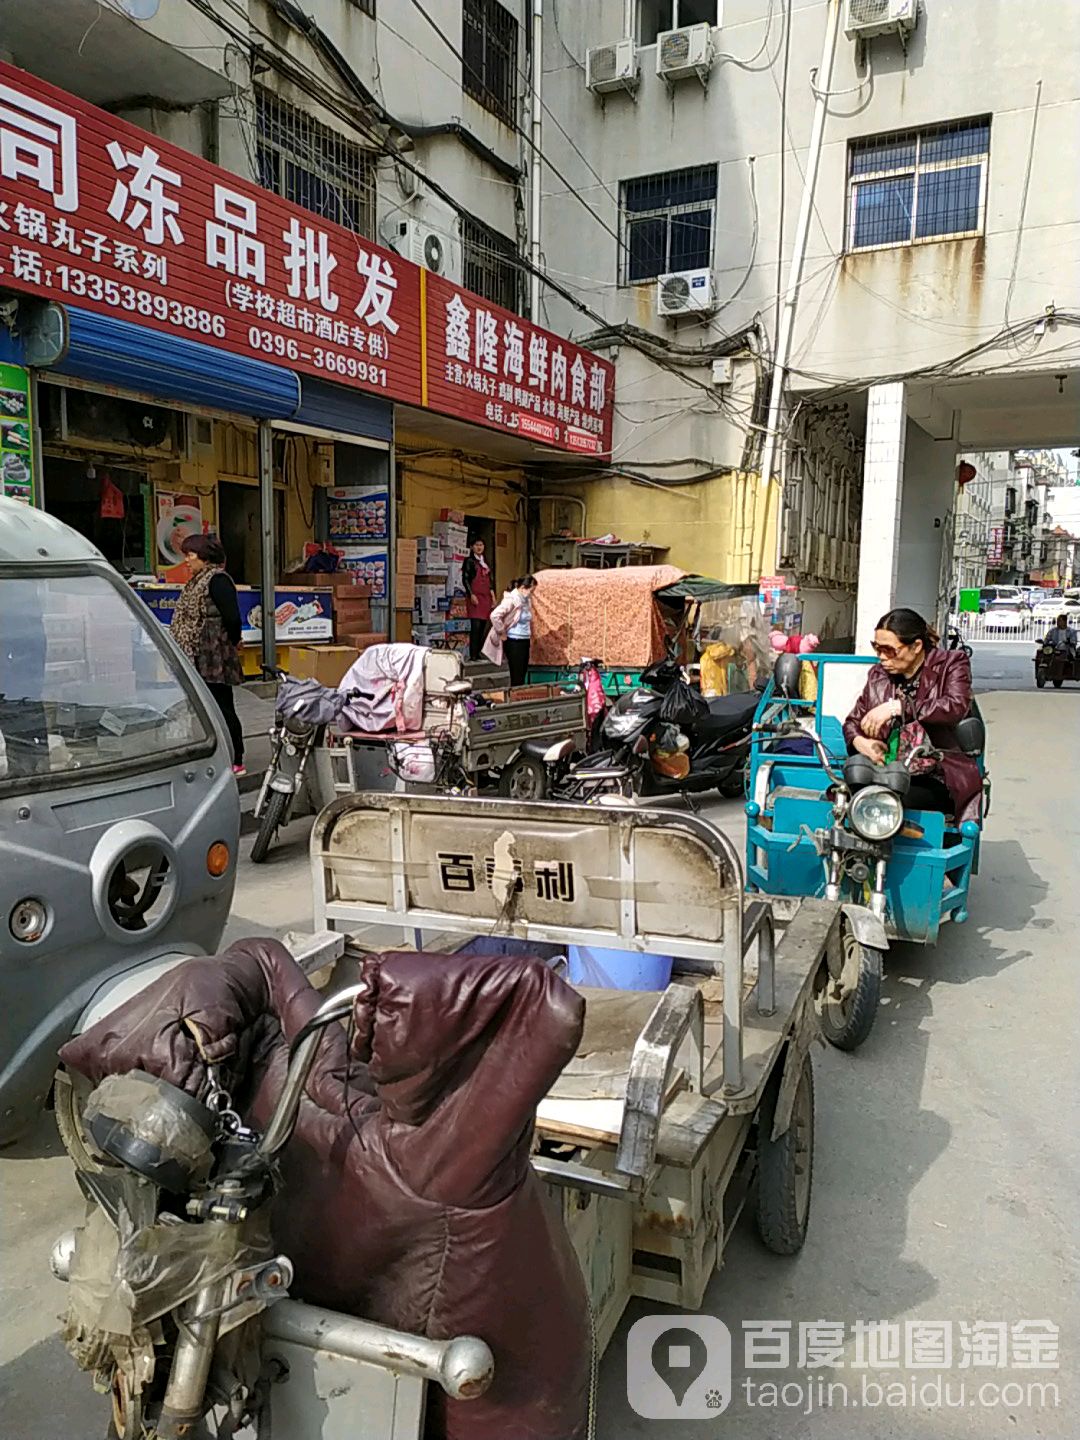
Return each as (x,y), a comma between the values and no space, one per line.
(682,704)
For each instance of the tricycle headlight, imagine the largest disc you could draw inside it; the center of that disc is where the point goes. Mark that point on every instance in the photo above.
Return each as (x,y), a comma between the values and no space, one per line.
(876,813)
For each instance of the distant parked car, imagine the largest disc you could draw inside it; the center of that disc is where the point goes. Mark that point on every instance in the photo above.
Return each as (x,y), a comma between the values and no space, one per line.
(1048,606)
(1006,617)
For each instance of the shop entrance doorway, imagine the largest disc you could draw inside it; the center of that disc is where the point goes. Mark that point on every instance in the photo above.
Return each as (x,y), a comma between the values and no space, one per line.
(481,528)
(239,527)
(107,503)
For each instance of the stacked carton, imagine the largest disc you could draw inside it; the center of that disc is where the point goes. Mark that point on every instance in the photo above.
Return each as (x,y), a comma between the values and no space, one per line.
(405,575)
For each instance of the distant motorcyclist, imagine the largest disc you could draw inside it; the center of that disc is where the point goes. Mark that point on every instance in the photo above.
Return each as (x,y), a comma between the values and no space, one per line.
(1061,636)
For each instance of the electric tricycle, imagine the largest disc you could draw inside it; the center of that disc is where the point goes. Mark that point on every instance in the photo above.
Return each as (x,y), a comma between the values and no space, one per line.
(825,823)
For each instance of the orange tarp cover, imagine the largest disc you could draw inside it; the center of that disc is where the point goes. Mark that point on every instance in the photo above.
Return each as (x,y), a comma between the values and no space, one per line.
(606,615)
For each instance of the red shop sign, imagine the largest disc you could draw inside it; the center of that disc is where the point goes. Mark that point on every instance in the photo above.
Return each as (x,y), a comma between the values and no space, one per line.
(490,366)
(104,215)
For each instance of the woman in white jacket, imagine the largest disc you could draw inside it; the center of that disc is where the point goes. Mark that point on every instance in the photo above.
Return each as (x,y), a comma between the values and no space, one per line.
(510,635)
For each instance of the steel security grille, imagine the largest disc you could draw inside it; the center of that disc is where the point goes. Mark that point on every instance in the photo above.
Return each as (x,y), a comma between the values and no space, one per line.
(918,185)
(488,265)
(312,165)
(489,57)
(667,223)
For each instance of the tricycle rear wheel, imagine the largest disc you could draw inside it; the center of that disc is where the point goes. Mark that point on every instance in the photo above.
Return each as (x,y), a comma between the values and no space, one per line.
(525,778)
(70,1092)
(786,1167)
(847,1004)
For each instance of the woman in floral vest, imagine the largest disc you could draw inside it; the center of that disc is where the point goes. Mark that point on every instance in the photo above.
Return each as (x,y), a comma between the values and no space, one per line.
(206,626)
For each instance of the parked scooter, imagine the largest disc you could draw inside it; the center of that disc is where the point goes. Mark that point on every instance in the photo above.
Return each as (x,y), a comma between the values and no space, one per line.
(955,641)
(179,1245)
(303,710)
(642,753)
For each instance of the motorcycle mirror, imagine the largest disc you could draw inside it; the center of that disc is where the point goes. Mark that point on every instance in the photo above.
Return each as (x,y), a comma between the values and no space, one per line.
(786,676)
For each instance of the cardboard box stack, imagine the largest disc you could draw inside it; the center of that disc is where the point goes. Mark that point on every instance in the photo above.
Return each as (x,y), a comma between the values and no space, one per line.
(352,615)
(405,575)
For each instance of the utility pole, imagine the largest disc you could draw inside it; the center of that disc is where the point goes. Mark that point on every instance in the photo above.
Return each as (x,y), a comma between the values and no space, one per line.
(822,84)
(536,173)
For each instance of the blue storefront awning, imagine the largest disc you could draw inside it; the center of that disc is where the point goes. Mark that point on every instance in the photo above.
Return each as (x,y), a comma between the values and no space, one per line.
(349,412)
(132,357)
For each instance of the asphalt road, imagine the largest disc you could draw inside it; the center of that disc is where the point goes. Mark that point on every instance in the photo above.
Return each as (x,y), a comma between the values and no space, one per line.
(945,1181)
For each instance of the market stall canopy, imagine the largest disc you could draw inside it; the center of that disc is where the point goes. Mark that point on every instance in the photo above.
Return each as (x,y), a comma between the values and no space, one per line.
(699,587)
(606,615)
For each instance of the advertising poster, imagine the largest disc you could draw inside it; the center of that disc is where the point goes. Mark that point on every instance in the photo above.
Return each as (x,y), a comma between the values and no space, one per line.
(178,516)
(300,616)
(16,435)
(369,565)
(359,514)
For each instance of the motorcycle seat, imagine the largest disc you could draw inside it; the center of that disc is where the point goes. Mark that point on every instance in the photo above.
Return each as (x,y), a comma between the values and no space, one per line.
(726,713)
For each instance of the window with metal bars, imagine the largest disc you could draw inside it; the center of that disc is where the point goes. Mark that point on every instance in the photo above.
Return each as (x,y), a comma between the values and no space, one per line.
(918,185)
(667,223)
(489,57)
(367,6)
(489,265)
(313,166)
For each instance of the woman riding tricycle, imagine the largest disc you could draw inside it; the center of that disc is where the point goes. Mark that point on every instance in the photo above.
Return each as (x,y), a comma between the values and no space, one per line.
(872,794)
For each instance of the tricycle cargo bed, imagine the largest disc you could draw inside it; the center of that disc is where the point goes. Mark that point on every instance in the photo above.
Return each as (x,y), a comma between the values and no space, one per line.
(659,1111)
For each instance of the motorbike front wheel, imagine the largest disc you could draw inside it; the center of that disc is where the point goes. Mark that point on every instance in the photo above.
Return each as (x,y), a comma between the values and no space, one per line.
(1040,680)
(273,817)
(847,1004)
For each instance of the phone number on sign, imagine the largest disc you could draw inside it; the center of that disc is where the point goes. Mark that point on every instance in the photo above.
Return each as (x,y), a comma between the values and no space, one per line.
(139,302)
(271,343)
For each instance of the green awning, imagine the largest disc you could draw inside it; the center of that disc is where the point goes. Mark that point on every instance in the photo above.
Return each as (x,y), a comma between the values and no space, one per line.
(699,587)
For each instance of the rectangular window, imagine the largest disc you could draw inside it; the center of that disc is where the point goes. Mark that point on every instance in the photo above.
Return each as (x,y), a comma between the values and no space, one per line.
(313,166)
(367,6)
(656,16)
(667,223)
(489,57)
(921,185)
(488,265)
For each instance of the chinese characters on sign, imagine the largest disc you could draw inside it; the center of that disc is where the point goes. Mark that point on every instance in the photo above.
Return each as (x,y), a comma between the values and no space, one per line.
(895,1344)
(490,366)
(461,874)
(97,213)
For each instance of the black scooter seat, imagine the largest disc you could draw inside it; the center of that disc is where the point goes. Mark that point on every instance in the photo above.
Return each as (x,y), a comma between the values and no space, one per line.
(727,713)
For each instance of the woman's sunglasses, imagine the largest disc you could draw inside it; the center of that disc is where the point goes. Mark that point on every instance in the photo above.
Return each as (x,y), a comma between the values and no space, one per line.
(887,652)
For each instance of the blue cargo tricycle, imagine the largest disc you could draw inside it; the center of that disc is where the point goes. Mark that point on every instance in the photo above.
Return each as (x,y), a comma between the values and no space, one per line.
(823,823)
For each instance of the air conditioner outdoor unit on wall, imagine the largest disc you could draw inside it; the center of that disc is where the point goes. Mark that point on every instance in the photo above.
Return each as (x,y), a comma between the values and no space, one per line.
(433,249)
(686,292)
(612,67)
(863,19)
(681,54)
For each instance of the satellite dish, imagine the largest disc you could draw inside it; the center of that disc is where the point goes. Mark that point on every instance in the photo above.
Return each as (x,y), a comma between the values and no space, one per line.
(434,257)
(139,9)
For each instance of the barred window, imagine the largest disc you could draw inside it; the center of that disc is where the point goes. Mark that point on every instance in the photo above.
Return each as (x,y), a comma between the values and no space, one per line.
(667,223)
(489,57)
(312,165)
(367,6)
(489,265)
(918,185)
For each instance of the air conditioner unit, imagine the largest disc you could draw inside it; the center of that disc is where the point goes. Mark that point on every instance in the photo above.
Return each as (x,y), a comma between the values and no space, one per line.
(863,19)
(612,67)
(686,292)
(681,54)
(433,249)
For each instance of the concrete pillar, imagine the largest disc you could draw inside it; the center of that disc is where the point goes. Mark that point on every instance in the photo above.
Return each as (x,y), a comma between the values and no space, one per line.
(883,486)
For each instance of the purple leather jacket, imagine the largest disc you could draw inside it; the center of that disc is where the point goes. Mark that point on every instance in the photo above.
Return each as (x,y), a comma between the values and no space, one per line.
(942,699)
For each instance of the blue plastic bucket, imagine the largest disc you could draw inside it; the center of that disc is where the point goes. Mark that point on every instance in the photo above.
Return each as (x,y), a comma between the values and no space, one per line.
(618,969)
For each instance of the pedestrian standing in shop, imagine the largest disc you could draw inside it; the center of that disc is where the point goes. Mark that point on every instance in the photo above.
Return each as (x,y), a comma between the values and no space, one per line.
(510,637)
(206,626)
(479,585)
